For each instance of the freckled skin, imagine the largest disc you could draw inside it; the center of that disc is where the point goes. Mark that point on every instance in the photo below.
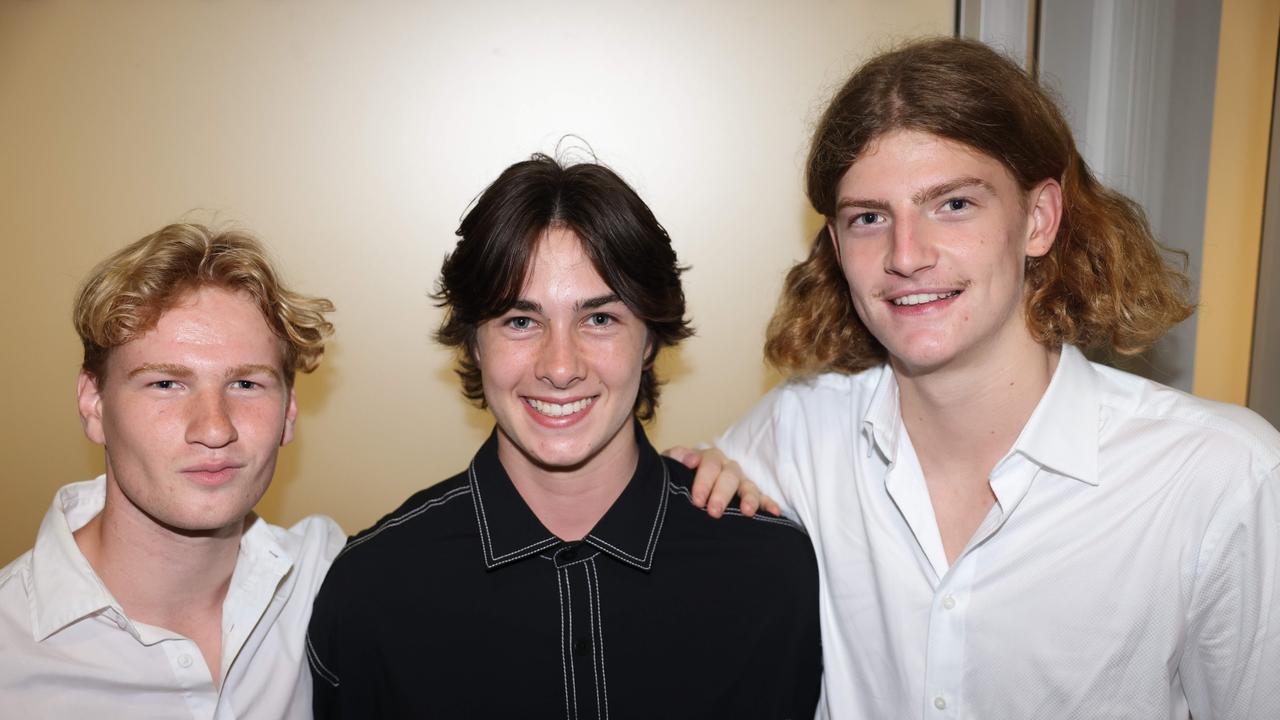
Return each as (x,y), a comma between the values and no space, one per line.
(207,402)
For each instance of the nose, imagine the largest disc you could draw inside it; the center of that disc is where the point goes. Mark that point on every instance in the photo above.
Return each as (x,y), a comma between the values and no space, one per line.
(911,250)
(210,424)
(560,359)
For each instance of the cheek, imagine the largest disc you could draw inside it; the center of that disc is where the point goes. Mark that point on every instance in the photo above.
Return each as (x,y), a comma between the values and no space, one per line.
(502,365)
(139,427)
(860,265)
(620,360)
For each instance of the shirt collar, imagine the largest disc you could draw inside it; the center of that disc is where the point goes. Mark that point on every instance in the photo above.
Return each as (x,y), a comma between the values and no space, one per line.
(509,531)
(882,420)
(64,586)
(1062,433)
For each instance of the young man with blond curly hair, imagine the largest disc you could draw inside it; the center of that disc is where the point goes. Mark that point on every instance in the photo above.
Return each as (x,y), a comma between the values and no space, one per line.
(154,591)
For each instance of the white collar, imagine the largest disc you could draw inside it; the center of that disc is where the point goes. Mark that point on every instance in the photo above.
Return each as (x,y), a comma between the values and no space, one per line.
(64,587)
(1061,434)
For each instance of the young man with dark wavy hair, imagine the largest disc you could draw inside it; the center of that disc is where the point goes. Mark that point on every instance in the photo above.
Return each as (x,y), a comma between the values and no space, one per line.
(1005,529)
(154,591)
(565,573)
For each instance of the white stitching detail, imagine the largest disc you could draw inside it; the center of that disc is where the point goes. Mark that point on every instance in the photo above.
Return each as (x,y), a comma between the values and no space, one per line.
(592,619)
(486,544)
(679,490)
(425,506)
(654,532)
(564,668)
(604,681)
(580,560)
(573,670)
(328,675)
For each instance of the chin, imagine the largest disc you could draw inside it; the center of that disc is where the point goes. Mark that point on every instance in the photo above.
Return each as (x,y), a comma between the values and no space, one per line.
(561,458)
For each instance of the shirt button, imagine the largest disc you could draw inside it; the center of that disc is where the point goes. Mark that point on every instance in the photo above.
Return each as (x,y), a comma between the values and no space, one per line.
(948,602)
(940,703)
(570,553)
(184,660)
(580,647)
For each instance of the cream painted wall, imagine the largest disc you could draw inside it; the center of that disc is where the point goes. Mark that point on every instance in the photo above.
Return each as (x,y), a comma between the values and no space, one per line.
(351,138)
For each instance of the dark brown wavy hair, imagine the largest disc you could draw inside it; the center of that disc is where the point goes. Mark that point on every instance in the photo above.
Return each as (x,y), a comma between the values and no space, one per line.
(1104,284)
(125,295)
(483,276)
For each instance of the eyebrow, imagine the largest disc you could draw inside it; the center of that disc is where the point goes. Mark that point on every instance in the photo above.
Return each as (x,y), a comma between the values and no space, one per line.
(182,371)
(930,193)
(588,304)
(252,368)
(946,188)
(598,302)
(161,368)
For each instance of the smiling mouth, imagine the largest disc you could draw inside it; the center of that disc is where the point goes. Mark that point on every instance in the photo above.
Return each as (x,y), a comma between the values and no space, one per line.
(922,298)
(558,410)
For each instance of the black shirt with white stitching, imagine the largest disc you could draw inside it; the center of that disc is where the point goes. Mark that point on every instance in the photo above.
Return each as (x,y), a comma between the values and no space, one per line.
(460,604)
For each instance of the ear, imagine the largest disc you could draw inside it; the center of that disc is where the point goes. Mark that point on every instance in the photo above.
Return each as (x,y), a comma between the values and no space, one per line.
(1045,203)
(290,417)
(89,402)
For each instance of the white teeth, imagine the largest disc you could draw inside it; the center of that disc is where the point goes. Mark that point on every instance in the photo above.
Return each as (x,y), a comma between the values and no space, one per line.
(923,298)
(557,410)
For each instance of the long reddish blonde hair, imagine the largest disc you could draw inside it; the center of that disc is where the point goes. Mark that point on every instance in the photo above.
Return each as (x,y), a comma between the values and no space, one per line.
(1104,284)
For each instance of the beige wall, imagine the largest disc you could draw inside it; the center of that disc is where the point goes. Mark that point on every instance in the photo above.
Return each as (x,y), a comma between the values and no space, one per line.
(351,137)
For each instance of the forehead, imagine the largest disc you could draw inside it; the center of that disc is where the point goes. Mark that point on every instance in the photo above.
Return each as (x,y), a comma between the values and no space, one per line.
(916,158)
(207,325)
(560,264)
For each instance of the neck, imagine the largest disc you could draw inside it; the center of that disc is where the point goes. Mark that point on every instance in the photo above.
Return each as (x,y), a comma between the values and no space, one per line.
(968,417)
(159,575)
(570,501)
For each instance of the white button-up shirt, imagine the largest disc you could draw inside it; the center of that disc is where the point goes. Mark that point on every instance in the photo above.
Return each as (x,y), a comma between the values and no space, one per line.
(1130,567)
(67,649)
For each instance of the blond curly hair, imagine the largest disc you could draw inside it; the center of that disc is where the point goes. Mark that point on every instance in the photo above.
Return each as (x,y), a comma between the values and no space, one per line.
(126,294)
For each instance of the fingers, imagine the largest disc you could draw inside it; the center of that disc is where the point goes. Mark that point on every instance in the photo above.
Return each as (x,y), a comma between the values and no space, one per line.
(727,484)
(683,455)
(749,497)
(708,470)
(770,506)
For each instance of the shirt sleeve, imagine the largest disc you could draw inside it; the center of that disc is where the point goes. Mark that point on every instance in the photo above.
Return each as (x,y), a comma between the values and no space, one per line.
(1231,667)
(759,442)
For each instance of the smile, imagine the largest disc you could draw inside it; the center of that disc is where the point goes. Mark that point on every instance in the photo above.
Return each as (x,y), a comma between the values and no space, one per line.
(558,410)
(921,298)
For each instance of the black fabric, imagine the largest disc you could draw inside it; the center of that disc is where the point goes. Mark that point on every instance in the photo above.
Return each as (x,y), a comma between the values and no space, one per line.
(460,604)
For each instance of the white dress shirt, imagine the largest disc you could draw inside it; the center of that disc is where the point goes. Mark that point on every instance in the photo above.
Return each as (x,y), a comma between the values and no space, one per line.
(68,650)
(1130,567)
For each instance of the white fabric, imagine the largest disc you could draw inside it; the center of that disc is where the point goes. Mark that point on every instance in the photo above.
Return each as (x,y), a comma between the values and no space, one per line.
(1129,569)
(67,649)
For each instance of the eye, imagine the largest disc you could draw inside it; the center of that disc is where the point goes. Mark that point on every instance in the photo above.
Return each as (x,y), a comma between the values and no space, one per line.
(866,218)
(164,384)
(957,204)
(245,385)
(599,319)
(519,323)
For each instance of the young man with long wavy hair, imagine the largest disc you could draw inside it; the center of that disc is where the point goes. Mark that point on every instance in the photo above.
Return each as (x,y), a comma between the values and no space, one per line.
(1004,528)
